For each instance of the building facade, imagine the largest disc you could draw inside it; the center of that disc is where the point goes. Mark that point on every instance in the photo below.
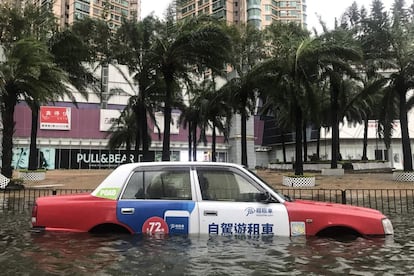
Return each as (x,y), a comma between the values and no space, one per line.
(260,13)
(113,11)
(76,137)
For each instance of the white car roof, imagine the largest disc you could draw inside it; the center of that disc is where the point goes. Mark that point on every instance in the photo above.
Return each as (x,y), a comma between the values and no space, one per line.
(113,183)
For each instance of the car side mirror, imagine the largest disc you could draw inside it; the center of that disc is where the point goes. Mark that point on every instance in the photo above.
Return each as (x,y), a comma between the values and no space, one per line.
(264,197)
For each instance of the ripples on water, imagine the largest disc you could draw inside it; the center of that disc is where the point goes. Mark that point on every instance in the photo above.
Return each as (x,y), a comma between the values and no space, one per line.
(24,252)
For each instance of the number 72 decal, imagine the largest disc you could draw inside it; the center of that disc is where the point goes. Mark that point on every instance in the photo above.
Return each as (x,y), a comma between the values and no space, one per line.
(155,225)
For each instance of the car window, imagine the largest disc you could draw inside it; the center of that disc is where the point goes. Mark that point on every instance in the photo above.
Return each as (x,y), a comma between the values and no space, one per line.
(224,185)
(159,184)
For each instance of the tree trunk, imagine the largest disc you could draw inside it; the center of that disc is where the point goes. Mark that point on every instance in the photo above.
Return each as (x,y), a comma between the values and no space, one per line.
(167,118)
(213,144)
(33,153)
(283,148)
(298,141)
(405,137)
(243,139)
(138,132)
(190,142)
(334,149)
(335,124)
(365,140)
(8,130)
(145,139)
(194,131)
(305,144)
(318,145)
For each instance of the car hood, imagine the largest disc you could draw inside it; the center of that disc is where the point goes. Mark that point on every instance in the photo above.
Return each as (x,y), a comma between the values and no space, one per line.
(324,207)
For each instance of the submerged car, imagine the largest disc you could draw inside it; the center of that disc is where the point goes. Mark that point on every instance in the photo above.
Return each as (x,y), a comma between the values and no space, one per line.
(199,197)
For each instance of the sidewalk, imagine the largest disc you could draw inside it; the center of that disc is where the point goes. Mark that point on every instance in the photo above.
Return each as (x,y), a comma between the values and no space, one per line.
(89,179)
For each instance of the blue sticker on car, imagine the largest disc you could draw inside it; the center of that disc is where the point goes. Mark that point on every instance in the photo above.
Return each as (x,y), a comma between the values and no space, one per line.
(176,215)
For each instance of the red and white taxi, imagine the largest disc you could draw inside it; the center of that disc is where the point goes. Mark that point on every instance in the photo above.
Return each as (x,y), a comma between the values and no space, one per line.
(199,197)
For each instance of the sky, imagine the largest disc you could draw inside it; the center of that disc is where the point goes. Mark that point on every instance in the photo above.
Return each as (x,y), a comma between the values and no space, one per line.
(327,9)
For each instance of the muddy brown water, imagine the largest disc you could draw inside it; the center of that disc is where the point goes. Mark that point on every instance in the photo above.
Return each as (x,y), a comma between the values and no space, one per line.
(26,253)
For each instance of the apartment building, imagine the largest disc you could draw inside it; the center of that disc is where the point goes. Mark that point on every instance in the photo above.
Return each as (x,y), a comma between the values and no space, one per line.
(16,3)
(113,11)
(261,13)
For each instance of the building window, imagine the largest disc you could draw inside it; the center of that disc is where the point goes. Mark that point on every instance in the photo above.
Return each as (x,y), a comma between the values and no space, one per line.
(81,7)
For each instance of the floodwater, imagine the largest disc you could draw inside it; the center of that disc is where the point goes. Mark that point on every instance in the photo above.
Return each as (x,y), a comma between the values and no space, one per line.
(23,252)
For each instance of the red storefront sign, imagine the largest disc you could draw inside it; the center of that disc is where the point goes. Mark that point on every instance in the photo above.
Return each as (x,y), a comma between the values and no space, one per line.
(55,118)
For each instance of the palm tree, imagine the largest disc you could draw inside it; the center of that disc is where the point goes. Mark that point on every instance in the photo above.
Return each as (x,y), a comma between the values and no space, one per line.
(19,70)
(26,71)
(292,68)
(214,106)
(123,131)
(70,52)
(75,55)
(372,32)
(364,104)
(299,62)
(143,105)
(401,78)
(206,109)
(240,88)
(337,67)
(134,41)
(177,49)
(48,87)
(191,118)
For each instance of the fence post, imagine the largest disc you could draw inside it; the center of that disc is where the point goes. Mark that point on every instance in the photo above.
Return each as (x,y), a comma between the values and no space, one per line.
(343,195)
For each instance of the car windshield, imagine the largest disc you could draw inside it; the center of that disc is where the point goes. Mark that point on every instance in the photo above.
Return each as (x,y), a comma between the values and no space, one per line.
(285,197)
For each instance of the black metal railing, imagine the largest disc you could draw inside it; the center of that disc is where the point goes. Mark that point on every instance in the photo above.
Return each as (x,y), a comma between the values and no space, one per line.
(23,200)
(385,200)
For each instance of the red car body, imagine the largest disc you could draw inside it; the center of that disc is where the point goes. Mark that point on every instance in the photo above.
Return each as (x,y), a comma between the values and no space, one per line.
(168,197)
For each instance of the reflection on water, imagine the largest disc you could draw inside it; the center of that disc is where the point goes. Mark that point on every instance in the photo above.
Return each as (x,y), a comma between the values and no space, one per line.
(24,252)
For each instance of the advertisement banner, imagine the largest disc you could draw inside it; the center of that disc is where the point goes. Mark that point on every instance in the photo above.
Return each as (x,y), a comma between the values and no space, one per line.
(93,158)
(45,158)
(107,118)
(174,126)
(55,118)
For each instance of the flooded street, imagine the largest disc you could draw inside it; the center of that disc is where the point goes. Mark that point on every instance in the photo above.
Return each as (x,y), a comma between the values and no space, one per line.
(27,253)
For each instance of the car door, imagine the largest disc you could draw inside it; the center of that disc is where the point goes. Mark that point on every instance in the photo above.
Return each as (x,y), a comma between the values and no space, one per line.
(158,200)
(231,203)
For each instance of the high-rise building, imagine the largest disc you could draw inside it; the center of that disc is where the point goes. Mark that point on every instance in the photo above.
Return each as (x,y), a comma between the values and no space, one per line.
(16,3)
(113,11)
(261,13)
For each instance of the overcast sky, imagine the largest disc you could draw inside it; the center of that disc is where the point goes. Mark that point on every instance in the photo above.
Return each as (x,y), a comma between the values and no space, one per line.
(327,9)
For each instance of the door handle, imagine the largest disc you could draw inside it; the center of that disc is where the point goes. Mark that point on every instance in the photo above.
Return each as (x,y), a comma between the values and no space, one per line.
(127,211)
(210,213)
